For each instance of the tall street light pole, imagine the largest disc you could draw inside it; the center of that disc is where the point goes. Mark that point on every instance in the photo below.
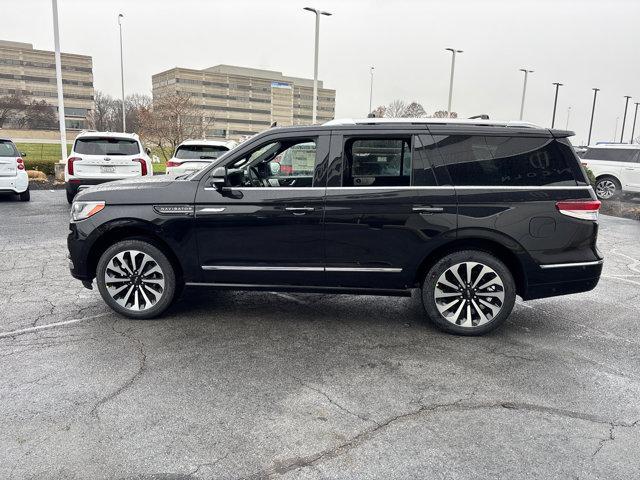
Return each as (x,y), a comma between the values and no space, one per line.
(124,122)
(593,110)
(555,103)
(633,129)
(566,127)
(624,118)
(371,90)
(315,61)
(453,68)
(61,116)
(524,89)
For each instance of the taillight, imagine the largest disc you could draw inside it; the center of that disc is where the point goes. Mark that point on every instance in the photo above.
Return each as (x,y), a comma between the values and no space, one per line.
(171,163)
(20,163)
(582,209)
(143,165)
(70,161)
(286,169)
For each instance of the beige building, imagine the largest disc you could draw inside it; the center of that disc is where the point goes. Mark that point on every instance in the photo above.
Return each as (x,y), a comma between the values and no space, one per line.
(237,101)
(33,74)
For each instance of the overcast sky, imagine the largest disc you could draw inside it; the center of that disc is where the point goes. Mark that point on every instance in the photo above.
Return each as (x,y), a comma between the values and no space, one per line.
(582,44)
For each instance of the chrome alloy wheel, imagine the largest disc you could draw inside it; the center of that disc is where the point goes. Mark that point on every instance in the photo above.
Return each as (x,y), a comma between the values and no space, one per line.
(605,189)
(469,294)
(134,280)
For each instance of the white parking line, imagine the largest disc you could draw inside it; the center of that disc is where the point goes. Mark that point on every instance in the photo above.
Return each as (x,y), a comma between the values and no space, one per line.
(614,277)
(50,325)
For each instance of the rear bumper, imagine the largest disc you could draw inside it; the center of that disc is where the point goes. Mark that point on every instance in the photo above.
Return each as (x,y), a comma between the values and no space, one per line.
(564,279)
(75,183)
(14,184)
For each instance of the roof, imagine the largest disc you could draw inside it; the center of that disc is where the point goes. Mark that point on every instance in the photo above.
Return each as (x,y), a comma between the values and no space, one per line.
(93,133)
(215,143)
(432,121)
(625,146)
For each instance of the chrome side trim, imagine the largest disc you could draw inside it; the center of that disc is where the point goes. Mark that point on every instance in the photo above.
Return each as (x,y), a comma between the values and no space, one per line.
(434,187)
(301,269)
(211,210)
(569,265)
(262,269)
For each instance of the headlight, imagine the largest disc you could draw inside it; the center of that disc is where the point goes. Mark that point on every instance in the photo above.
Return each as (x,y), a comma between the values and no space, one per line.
(84,210)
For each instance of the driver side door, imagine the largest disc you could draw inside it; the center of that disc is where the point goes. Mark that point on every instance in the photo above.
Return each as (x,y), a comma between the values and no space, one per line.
(265,228)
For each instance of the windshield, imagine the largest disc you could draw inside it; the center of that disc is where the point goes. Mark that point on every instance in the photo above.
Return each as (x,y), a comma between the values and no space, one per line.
(7,149)
(106,146)
(200,152)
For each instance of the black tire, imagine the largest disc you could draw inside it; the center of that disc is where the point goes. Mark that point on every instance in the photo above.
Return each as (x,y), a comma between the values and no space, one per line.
(71,194)
(25,196)
(163,299)
(468,297)
(611,183)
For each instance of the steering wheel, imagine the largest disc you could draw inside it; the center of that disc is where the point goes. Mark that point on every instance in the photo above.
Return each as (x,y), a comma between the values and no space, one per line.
(253,178)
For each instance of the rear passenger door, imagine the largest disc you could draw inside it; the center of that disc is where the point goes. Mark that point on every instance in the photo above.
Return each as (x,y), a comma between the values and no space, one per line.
(377,228)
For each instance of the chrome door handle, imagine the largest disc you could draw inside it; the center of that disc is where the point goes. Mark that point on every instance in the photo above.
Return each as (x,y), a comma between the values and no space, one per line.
(428,209)
(299,209)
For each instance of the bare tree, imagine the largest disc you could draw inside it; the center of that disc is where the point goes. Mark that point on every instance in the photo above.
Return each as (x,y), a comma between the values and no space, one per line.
(414,110)
(396,109)
(10,107)
(172,119)
(379,112)
(444,114)
(400,109)
(39,115)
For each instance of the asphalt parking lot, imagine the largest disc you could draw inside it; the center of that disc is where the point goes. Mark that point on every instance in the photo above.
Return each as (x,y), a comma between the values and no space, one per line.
(272,385)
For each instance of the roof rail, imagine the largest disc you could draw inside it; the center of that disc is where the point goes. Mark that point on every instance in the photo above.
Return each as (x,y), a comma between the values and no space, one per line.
(434,121)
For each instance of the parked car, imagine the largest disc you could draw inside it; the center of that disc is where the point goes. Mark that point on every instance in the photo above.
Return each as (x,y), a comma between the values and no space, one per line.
(99,157)
(13,175)
(472,213)
(192,155)
(616,168)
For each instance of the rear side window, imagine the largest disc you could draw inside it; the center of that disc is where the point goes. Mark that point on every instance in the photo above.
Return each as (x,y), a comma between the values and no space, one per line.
(370,162)
(200,152)
(7,149)
(106,146)
(505,161)
(613,154)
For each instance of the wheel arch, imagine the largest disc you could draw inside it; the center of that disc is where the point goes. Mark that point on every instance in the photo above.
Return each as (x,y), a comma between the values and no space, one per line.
(506,249)
(130,230)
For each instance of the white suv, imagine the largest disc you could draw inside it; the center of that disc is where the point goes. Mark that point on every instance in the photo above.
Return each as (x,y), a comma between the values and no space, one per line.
(616,168)
(192,155)
(99,157)
(13,175)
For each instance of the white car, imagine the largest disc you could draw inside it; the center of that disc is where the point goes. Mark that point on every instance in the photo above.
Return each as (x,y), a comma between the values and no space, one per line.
(13,174)
(99,157)
(192,155)
(616,168)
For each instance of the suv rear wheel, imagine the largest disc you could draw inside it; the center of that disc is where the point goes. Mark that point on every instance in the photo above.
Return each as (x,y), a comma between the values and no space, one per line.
(607,188)
(468,293)
(136,279)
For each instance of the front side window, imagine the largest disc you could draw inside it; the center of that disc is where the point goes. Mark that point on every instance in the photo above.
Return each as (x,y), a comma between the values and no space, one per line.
(7,149)
(627,155)
(281,163)
(200,152)
(106,146)
(505,161)
(374,162)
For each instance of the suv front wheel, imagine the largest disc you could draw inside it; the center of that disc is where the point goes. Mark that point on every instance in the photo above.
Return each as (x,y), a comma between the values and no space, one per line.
(136,279)
(468,293)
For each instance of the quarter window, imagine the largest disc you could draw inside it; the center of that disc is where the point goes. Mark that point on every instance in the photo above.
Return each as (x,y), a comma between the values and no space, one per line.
(626,155)
(377,162)
(505,161)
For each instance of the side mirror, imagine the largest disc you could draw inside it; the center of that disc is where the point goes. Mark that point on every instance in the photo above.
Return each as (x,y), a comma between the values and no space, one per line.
(23,154)
(218,178)
(147,151)
(274,167)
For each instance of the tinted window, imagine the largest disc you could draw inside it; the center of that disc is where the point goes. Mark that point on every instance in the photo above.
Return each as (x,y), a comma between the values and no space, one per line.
(200,152)
(106,146)
(505,161)
(613,154)
(426,156)
(7,149)
(377,162)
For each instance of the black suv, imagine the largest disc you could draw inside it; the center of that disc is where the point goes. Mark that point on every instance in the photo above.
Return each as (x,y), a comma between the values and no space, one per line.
(471,212)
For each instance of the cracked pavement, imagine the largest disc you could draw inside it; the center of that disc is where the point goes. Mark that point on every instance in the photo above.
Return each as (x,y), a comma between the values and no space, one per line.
(259,385)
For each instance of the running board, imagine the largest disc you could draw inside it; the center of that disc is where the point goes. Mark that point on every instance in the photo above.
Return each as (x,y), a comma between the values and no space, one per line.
(388,292)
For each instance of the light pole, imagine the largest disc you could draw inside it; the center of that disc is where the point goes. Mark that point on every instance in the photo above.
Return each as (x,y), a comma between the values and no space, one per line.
(593,110)
(124,122)
(61,116)
(453,68)
(555,103)
(315,61)
(524,89)
(566,127)
(633,129)
(371,90)
(615,132)
(624,118)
